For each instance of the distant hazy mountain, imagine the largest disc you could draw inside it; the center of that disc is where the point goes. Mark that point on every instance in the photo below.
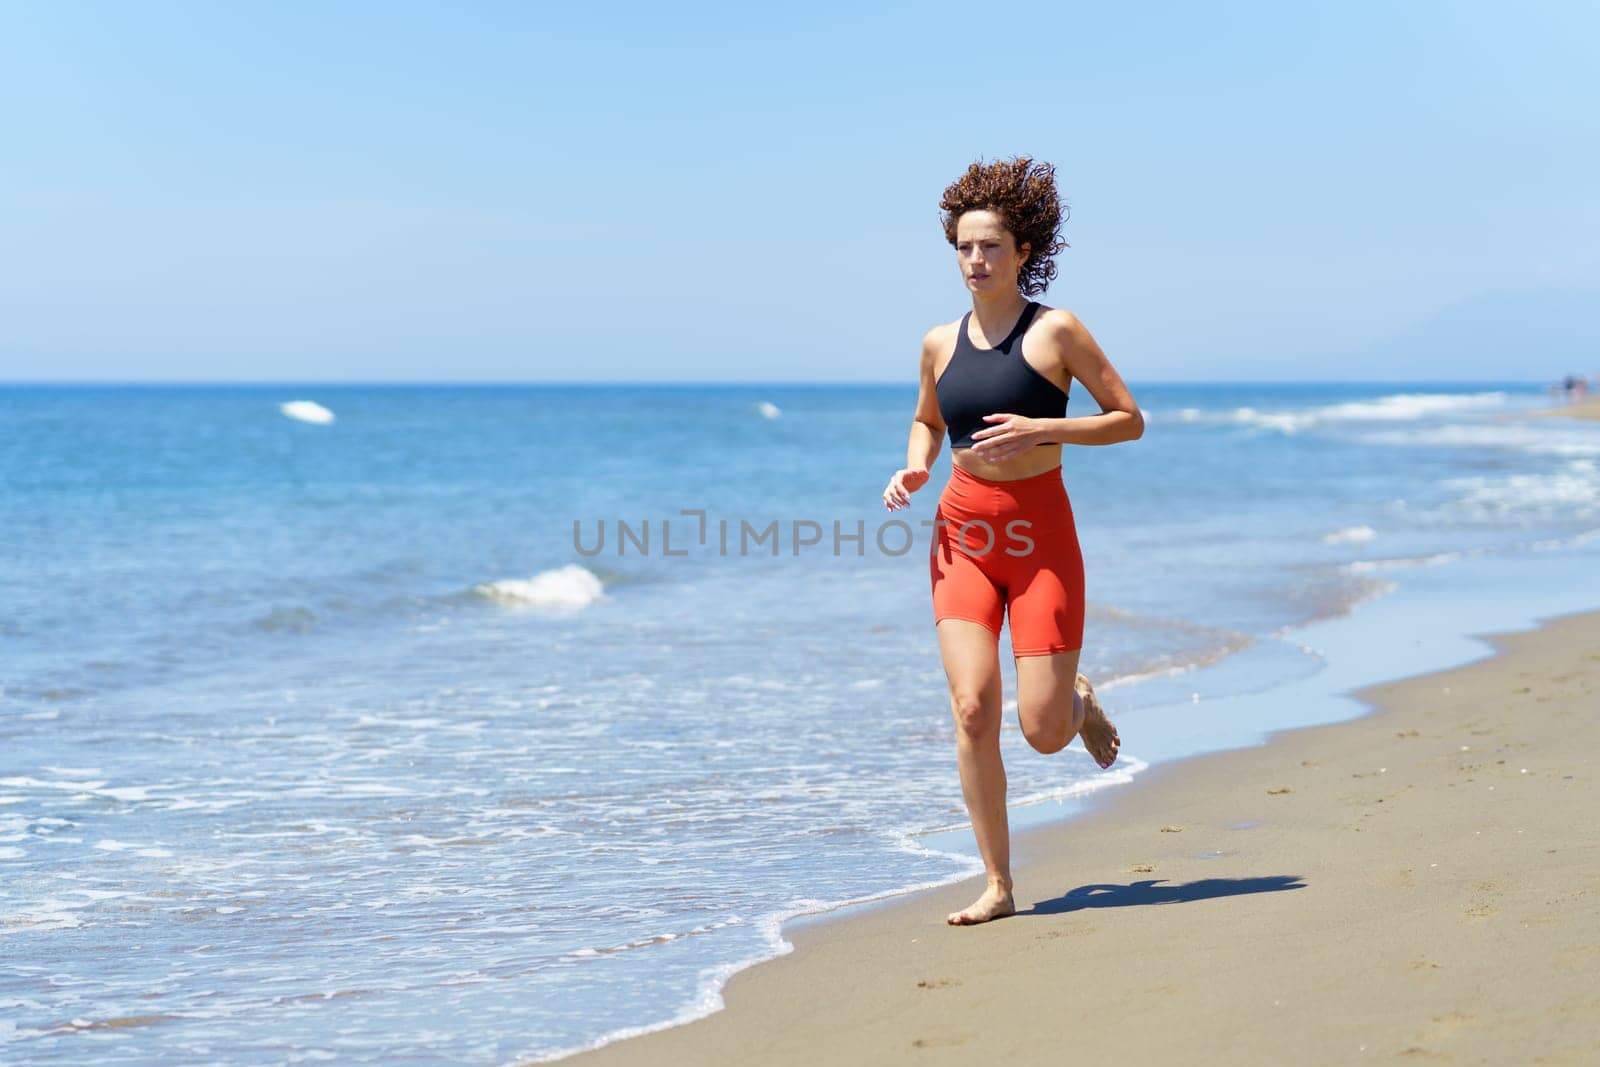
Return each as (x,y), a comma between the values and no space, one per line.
(1538,334)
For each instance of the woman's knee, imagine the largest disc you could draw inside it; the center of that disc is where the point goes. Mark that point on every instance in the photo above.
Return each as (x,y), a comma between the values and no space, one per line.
(1049,729)
(977,718)
(1050,739)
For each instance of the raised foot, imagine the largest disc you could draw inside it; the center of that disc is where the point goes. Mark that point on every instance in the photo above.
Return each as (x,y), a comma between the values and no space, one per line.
(996,903)
(1099,735)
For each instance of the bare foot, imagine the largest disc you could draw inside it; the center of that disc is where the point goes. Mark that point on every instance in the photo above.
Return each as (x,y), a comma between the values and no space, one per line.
(995,903)
(1099,736)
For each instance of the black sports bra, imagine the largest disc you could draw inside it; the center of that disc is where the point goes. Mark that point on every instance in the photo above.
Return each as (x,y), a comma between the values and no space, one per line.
(978,382)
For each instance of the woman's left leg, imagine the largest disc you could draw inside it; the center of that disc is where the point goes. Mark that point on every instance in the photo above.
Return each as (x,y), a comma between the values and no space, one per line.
(1045,604)
(1048,706)
(1055,704)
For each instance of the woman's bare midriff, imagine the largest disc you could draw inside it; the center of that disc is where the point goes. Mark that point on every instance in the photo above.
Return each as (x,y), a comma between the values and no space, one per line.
(1036,460)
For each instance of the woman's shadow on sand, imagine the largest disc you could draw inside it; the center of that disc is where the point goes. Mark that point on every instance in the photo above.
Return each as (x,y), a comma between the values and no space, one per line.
(1151,891)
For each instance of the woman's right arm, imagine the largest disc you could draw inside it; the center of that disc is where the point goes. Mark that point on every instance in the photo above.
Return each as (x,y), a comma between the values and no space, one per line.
(927,425)
(927,433)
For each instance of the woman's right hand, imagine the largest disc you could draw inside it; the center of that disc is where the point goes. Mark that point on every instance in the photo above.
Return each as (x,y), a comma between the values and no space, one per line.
(906,481)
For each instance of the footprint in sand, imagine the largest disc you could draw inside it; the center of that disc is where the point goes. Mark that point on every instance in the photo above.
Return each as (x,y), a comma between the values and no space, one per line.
(1141,868)
(938,983)
(1442,1027)
(1485,900)
(1279,791)
(1172,829)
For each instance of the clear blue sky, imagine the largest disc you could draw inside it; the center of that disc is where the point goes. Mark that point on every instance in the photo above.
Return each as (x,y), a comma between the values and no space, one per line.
(524,192)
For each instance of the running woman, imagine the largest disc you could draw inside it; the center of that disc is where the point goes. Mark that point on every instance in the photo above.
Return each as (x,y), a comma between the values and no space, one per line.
(1005,542)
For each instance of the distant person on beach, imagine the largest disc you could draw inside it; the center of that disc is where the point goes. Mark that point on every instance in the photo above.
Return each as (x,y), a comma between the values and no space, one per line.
(1004,540)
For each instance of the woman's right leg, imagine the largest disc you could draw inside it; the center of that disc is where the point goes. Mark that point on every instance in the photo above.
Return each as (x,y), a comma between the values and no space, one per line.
(971,657)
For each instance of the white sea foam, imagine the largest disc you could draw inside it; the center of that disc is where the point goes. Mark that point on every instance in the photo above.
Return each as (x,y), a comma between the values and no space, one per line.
(42,783)
(652,939)
(1398,407)
(570,587)
(768,409)
(1200,646)
(152,851)
(43,915)
(97,787)
(370,789)
(1538,440)
(306,411)
(1545,544)
(1366,566)
(1287,422)
(422,722)
(1405,406)
(125,792)
(1126,767)
(1349,534)
(205,805)
(1573,492)
(52,913)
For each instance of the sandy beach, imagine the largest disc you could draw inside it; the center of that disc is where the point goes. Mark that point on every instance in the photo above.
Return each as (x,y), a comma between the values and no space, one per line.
(1421,883)
(1582,409)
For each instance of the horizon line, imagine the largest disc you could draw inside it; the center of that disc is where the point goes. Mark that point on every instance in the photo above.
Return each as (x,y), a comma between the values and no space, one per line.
(714,382)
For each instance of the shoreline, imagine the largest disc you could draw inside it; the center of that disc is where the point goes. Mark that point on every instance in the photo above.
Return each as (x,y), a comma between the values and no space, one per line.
(1578,409)
(1376,846)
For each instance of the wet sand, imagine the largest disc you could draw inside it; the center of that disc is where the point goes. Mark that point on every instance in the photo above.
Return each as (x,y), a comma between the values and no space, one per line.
(1421,884)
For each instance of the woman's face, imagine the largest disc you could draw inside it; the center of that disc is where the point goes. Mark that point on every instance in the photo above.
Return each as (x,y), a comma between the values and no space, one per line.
(988,254)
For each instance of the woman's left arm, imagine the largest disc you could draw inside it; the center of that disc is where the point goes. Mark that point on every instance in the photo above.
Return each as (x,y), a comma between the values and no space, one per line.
(1120,418)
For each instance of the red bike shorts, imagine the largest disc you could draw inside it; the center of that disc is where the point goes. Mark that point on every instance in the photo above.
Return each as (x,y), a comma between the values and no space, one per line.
(1004,547)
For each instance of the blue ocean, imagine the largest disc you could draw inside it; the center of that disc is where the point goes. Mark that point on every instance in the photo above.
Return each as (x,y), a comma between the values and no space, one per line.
(482,724)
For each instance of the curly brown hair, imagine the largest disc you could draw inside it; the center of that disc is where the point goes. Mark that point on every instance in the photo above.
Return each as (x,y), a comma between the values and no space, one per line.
(1023,194)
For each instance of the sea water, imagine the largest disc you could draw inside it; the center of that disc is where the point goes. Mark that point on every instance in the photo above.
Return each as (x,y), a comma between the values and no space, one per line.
(469,724)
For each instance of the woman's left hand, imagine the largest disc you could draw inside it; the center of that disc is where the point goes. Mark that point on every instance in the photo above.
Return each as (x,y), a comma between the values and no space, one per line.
(1007,436)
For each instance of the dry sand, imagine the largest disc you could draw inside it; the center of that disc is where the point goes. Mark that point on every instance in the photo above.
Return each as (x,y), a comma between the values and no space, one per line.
(1582,409)
(1421,884)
